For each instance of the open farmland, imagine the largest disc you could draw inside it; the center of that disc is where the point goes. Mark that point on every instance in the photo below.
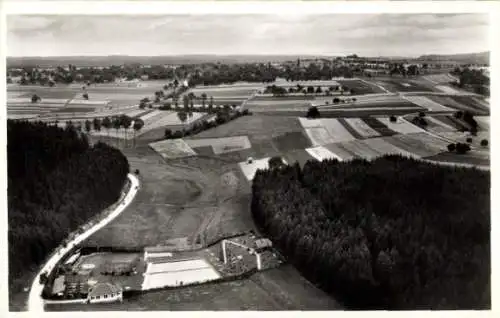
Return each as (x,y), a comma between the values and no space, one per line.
(439,78)
(471,158)
(361,127)
(321,153)
(221,145)
(361,87)
(275,289)
(483,122)
(403,85)
(173,148)
(401,126)
(428,104)
(464,103)
(420,144)
(325,131)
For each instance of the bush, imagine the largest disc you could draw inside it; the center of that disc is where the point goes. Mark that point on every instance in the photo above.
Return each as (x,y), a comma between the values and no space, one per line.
(136,171)
(484,142)
(469,140)
(421,114)
(336,100)
(451,147)
(393,119)
(462,148)
(168,133)
(313,112)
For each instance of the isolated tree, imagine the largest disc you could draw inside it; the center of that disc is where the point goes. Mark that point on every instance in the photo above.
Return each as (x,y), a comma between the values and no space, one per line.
(182,115)
(451,147)
(106,123)
(462,148)
(85,96)
(35,98)
(319,90)
(393,119)
(276,163)
(310,89)
(126,123)
(168,133)
(336,100)
(138,124)
(88,126)
(484,142)
(354,99)
(313,112)
(203,99)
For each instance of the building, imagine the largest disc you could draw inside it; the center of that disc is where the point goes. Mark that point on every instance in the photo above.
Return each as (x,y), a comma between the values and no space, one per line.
(105,293)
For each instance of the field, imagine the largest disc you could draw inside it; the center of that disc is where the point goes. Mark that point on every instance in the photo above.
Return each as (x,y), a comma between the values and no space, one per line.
(250,168)
(463,103)
(471,158)
(401,126)
(429,104)
(325,131)
(419,144)
(173,148)
(439,78)
(178,273)
(361,87)
(321,153)
(403,85)
(362,128)
(221,145)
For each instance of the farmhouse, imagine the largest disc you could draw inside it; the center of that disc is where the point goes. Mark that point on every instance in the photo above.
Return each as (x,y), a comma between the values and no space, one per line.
(105,293)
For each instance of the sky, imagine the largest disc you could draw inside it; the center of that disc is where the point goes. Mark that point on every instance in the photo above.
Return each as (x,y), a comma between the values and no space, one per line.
(332,34)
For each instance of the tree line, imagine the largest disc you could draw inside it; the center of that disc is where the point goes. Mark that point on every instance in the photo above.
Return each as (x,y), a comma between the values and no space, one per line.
(394,233)
(56,182)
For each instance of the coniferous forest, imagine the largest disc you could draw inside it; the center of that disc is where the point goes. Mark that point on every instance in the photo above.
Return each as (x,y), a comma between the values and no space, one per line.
(56,182)
(394,233)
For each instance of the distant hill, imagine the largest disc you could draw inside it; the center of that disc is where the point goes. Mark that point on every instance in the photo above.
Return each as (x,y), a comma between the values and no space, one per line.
(82,61)
(467,58)
(151,60)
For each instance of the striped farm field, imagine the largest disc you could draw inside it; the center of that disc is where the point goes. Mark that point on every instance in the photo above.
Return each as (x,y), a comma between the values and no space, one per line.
(340,152)
(151,115)
(447,89)
(359,149)
(427,103)
(401,126)
(325,131)
(321,153)
(463,136)
(436,126)
(439,78)
(172,148)
(419,144)
(470,158)
(362,128)
(88,102)
(137,113)
(463,103)
(473,102)
(450,121)
(301,156)
(221,145)
(74,110)
(172,119)
(379,126)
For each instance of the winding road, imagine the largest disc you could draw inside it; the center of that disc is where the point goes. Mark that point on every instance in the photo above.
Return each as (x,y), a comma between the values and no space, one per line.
(35,301)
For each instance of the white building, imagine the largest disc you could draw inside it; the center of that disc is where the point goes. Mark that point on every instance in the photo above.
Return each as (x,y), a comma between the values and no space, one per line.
(105,293)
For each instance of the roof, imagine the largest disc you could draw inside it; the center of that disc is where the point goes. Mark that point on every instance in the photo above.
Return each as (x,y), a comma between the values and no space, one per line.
(58,286)
(264,242)
(102,289)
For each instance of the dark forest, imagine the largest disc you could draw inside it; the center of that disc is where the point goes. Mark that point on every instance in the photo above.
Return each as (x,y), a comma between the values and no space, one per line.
(395,233)
(56,182)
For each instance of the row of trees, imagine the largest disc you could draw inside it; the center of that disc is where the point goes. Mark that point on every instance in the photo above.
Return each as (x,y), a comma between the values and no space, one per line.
(282,91)
(222,117)
(56,182)
(420,240)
